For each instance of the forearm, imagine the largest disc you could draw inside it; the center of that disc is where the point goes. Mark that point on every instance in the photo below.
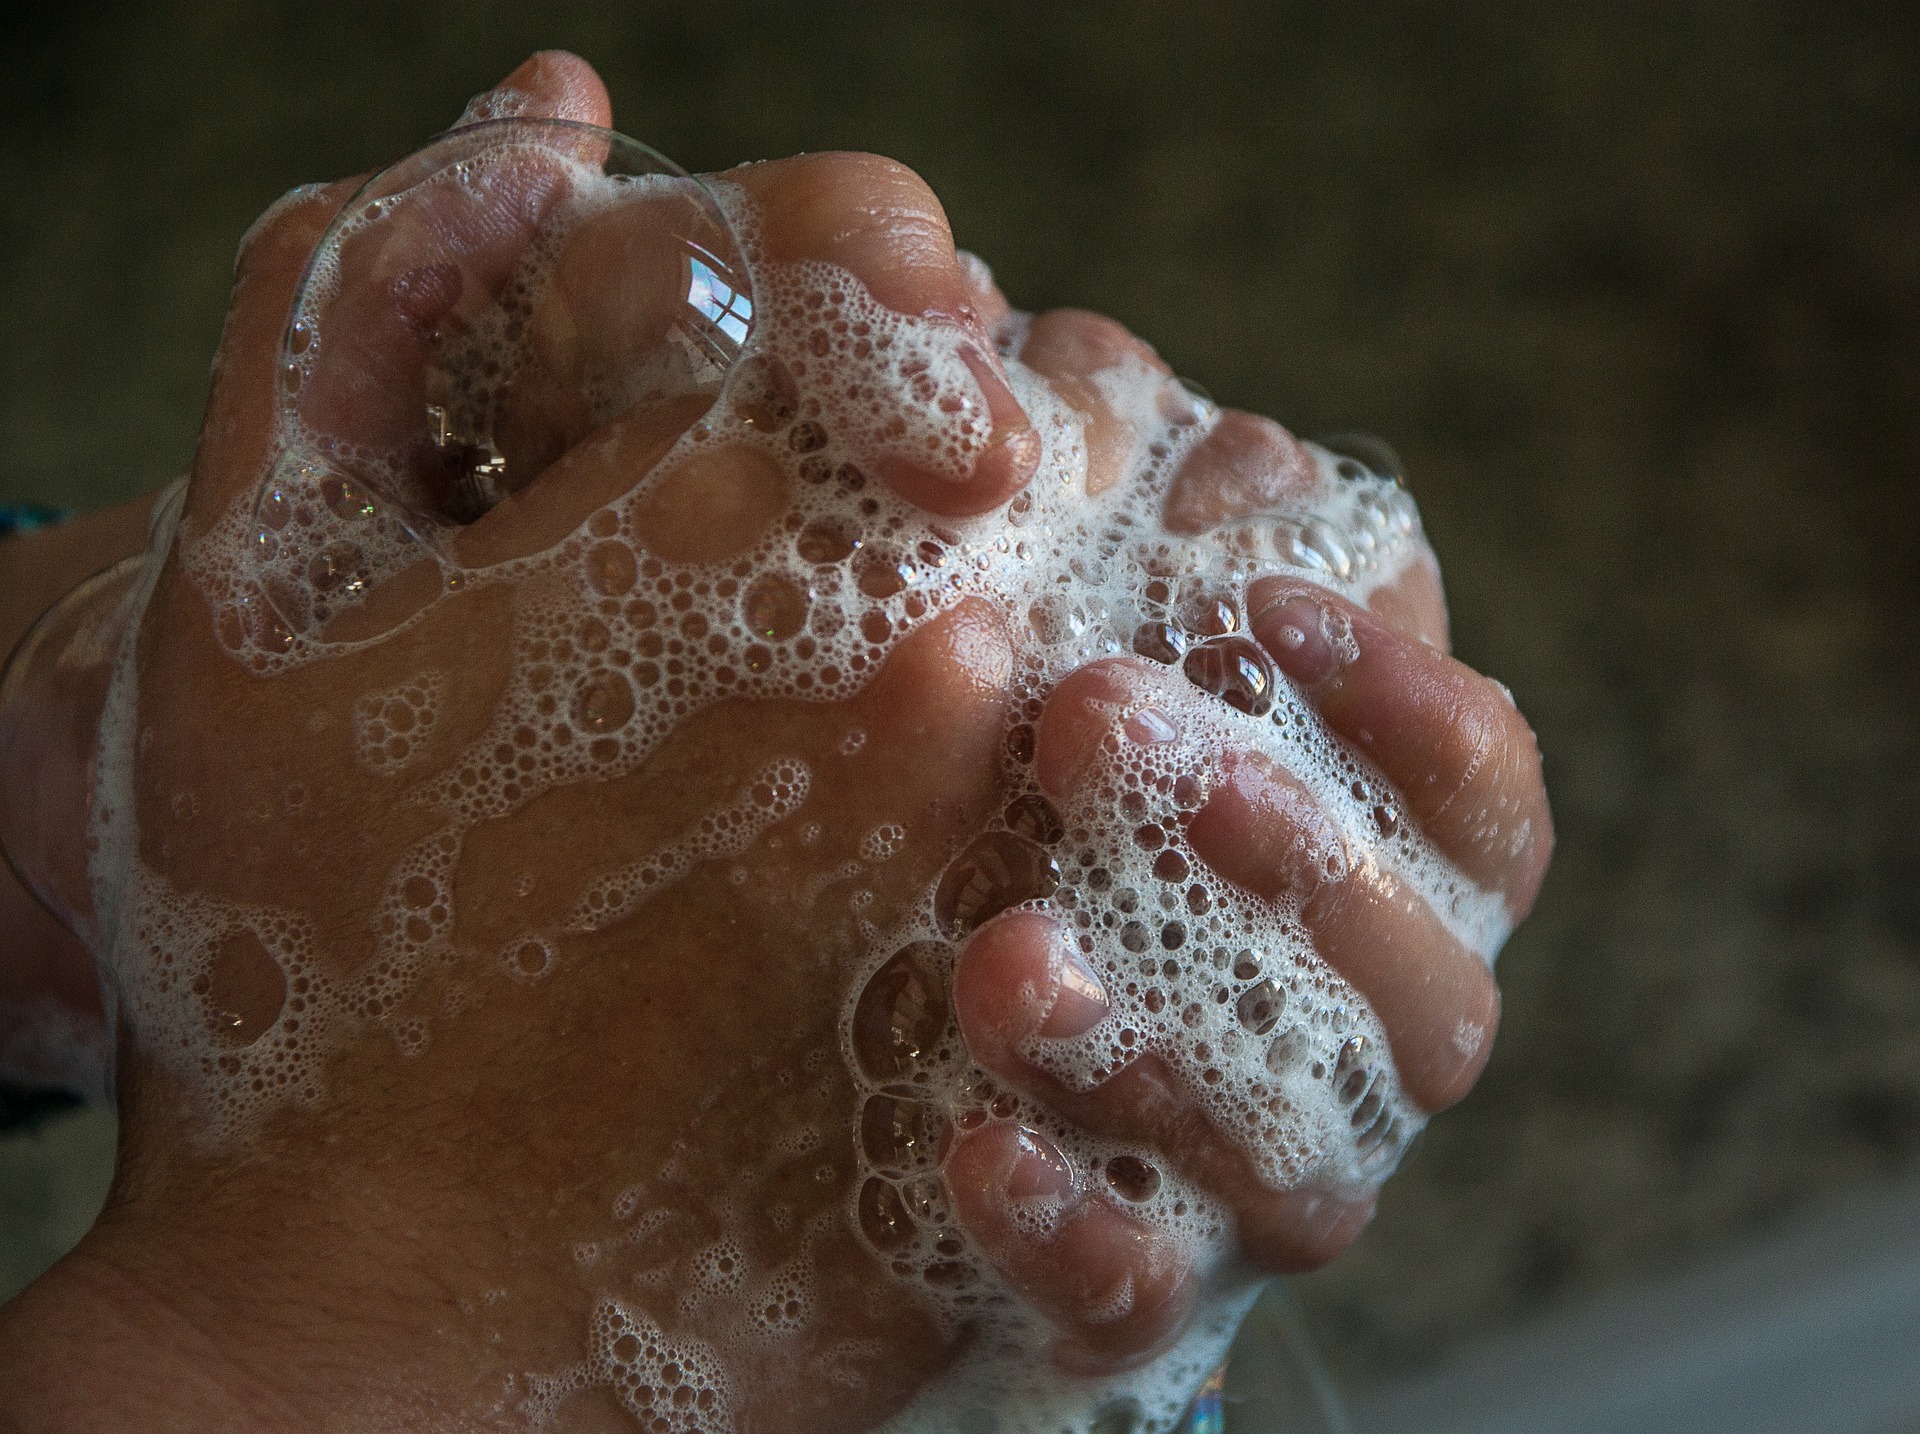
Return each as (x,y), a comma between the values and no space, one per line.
(44,974)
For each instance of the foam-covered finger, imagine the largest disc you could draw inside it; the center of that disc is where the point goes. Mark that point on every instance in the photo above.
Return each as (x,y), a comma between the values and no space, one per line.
(877,219)
(1021,978)
(1246,466)
(1078,724)
(1071,348)
(1115,1289)
(1463,758)
(237,434)
(401,309)
(550,84)
(1264,831)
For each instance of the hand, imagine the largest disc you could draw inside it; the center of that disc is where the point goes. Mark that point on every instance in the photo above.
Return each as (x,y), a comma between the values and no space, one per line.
(1459,766)
(536,1022)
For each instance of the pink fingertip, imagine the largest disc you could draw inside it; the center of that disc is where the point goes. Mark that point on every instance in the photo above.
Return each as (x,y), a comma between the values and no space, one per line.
(1307,640)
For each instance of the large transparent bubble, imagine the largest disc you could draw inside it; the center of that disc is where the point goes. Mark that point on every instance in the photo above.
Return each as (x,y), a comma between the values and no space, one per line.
(476,312)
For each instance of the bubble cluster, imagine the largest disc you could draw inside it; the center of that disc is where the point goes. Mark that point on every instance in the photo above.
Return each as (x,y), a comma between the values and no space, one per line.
(776,792)
(792,383)
(391,728)
(668,1385)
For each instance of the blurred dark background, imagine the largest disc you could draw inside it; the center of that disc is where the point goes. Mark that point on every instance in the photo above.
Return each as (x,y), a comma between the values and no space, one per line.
(1635,289)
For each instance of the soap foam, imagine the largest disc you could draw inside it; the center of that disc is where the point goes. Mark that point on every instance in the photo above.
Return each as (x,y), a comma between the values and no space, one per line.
(613,647)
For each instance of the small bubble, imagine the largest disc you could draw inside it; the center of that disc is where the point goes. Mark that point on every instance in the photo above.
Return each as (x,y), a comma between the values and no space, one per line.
(611,569)
(603,702)
(1260,1007)
(900,1135)
(336,567)
(1020,743)
(775,607)
(1210,614)
(1132,1178)
(1056,620)
(881,572)
(1161,641)
(764,393)
(529,958)
(825,541)
(1236,671)
(1031,817)
(902,1014)
(883,1216)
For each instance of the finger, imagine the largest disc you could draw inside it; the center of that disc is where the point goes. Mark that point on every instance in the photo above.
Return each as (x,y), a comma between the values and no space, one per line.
(1415,603)
(1116,1289)
(1069,347)
(1440,1005)
(877,219)
(409,288)
(1463,758)
(237,437)
(1264,831)
(1020,978)
(238,434)
(1246,466)
(551,84)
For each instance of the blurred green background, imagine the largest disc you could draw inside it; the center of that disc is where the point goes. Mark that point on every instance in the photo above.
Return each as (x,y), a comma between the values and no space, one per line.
(1635,289)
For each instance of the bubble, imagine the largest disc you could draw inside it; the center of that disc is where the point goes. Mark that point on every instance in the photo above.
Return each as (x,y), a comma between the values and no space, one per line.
(603,702)
(902,1014)
(884,1218)
(476,239)
(1161,641)
(1210,614)
(882,572)
(529,958)
(612,569)
(1132,1178)
(338,566)
(775,607)
(898,1136)
(764,394)
(1032,817)
(1235,670)
(1367,454)
(996,870)
(1260,1007)
(826,540)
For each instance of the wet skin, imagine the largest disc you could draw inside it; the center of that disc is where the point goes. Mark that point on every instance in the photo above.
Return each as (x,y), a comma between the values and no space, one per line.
(359,1243)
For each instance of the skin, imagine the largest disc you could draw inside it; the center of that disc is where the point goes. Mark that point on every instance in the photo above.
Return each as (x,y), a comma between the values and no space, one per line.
(338,1268)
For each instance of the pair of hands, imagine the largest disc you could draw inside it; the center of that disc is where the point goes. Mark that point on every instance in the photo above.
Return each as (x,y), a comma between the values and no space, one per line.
(638,1105)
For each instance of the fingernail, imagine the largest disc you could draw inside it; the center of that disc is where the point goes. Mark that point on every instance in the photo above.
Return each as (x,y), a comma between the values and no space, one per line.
(1010,422)
(1079,1000)
(1307,640)
(1039,1171)
(1150,727)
